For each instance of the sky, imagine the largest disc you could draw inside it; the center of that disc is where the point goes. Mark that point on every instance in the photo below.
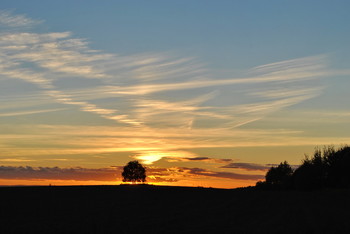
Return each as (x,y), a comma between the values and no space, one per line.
(202,93)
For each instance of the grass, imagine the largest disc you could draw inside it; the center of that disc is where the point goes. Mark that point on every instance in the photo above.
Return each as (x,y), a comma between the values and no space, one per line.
(160,209)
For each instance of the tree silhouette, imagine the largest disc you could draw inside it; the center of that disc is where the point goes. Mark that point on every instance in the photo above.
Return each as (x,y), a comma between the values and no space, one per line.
(327,168)
(280,176)
(134,172)
(338,163)
(312,173)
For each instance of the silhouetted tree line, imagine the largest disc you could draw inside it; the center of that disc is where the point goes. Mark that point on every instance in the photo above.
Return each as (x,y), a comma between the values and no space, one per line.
(327,168)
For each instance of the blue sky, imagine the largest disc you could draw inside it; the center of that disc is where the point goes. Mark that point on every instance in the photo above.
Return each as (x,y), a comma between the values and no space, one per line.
(185,86)
(260,32)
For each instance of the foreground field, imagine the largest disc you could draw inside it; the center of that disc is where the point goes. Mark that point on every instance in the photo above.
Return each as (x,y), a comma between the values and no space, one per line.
(153,209)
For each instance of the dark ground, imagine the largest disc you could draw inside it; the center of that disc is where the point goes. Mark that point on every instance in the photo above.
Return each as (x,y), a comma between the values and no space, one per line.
(153,209)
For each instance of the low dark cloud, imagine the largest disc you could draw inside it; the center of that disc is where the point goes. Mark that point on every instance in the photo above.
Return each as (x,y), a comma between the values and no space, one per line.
(154,174)
(56,173)
(254,166)
(112,173)
(248,166)
(197,159)
(228,175)
(201,159)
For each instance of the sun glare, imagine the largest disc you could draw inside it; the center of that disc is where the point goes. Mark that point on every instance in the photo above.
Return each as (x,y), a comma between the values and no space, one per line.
(149,158)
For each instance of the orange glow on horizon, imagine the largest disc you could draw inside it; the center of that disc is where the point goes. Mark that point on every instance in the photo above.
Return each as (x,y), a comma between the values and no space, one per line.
(215,183)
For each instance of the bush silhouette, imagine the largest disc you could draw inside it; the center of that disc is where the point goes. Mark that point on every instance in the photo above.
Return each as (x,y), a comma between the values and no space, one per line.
(134,172)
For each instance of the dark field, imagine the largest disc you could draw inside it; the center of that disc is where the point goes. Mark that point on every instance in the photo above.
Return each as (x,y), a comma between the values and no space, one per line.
(153,209)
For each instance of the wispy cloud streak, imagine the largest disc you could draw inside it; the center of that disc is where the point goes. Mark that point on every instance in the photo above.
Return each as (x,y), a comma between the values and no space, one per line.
(153,105)
(7,18)
(32,112)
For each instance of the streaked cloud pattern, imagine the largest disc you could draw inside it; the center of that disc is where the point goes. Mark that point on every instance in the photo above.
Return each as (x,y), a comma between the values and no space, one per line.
(64,103)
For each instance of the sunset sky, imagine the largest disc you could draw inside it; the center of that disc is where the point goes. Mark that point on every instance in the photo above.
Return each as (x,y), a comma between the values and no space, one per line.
(203,93)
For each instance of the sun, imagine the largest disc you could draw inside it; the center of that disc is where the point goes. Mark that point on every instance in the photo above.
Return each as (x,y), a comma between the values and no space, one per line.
(149,157)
